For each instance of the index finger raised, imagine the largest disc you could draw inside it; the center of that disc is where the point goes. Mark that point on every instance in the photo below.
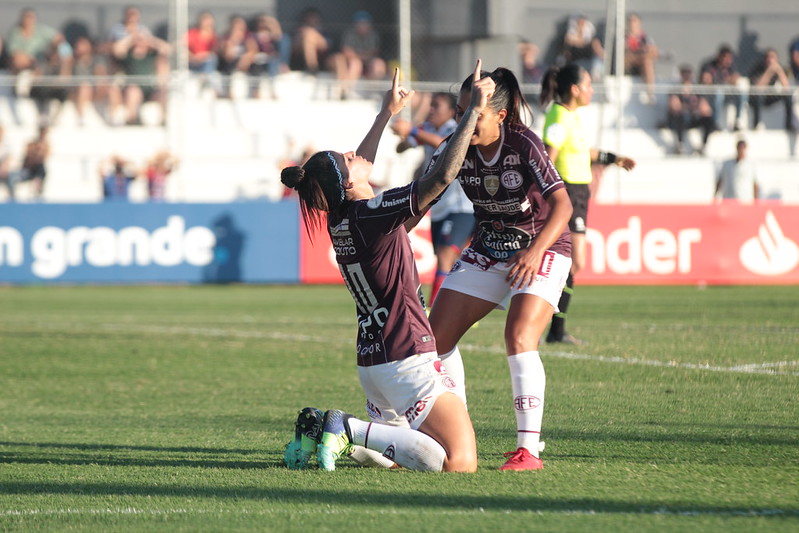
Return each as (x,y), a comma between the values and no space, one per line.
(477,70)
(395,80)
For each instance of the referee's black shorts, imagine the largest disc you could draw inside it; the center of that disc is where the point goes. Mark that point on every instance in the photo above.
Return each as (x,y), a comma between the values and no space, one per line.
(579,193)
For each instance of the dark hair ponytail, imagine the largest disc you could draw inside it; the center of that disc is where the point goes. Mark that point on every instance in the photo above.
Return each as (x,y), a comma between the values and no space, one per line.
(318,185)
(507,95)
(558,81)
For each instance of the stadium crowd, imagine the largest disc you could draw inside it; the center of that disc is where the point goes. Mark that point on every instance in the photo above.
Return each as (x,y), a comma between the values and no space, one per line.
(115,74)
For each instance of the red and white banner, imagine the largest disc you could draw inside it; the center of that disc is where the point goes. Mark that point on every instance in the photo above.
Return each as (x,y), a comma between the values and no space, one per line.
(726,243)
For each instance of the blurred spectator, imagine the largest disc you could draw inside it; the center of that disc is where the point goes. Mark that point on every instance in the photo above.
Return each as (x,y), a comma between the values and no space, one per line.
(30,44)
(737,179)
(272,55)
(5,161)
(582,46)
(769,73)
(35,49)
(130,24)
(687,110)
(116,175)
(793,55)
(87,63)
(49,85)
(158,170)
(237,47)
(309,47)
(640,53)
(532,71)
(721,71)
(202,44)
(33,166)
(359,54)
(143,55)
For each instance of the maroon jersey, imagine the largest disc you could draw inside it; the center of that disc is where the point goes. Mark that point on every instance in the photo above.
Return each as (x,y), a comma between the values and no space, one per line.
(509,193)
(375,258)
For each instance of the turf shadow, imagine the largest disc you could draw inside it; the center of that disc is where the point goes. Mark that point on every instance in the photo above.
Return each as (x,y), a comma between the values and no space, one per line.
(323,496)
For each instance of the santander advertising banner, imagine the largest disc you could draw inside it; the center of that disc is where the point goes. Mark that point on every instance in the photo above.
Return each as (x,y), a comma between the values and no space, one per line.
(725,243)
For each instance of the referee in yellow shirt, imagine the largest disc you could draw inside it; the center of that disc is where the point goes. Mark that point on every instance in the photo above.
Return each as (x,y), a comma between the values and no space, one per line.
(568,88)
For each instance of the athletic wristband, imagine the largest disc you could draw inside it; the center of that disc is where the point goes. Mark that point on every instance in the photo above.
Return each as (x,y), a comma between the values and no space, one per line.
(414,132)
(606,158)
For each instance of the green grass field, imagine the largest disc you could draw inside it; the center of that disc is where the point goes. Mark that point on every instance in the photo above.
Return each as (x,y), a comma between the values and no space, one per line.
(167,409)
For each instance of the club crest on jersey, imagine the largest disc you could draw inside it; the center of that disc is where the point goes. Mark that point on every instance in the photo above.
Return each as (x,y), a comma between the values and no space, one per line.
(491,184)
(511,179)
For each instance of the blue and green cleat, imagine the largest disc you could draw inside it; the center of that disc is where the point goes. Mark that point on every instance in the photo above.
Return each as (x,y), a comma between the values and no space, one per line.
(307,434)
(336,441)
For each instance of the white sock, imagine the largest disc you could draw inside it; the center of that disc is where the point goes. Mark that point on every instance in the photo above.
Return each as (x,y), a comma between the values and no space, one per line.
(405,446)
(371,458)
(528,382)
(453,364)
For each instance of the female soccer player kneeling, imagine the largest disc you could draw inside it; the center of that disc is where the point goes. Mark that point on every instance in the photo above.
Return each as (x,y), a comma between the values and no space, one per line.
(417,420)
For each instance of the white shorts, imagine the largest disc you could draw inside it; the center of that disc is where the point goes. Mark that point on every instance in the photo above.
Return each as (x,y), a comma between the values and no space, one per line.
(402,393)
(479,276)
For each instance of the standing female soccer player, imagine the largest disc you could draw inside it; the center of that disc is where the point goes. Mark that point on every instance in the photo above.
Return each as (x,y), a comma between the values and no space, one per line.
(570,88)
(520,252)
(424,425)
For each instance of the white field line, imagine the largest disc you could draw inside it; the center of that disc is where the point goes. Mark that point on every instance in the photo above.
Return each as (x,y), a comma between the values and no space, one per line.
(776,369)
(122,511)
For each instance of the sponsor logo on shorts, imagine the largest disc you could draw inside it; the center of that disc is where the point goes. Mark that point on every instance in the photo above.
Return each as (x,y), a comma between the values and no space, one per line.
(579,224)
(417,409)
(448,382)
(390,452)
(526,403)
(546,264)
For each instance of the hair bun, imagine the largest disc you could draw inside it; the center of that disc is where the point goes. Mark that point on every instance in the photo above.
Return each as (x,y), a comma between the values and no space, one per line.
(292,176)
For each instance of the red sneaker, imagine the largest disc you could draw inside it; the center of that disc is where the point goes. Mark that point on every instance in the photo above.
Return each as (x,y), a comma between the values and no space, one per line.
(521,459)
